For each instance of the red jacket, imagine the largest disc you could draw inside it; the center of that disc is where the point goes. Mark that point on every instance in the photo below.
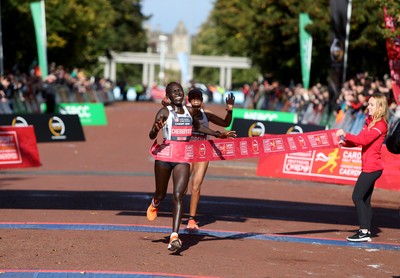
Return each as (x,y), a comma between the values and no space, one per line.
(371,141)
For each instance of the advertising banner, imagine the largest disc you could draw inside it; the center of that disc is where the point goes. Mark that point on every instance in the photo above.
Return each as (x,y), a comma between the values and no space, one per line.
(328,165)
(183,59)
(339,21)
(263,115)
(305,49)
(393,50)
(18,148)
(238,148)
(39,21)
(48,127)
(252,128)
(89,113)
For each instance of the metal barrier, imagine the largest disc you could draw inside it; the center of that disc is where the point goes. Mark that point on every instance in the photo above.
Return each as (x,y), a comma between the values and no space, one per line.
(32,103)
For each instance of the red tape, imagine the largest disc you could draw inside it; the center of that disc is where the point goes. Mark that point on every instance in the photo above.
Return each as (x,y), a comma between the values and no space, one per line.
(239,148)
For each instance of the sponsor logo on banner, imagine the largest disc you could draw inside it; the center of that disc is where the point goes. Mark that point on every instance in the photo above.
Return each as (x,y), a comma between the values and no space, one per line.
(83,111)
(351,163)
(297,163)
(338,163)
(302,142)
(19,121)
(295,129)
(292,144)
(18,148)
(9,148)
(254,115)
(89,113)
(189,152)
(225,149)
(48,127)
(337,51)
(255,147)
(332,165)
(261,115)
(57,128)
(164,150)
(256,129)
(202,150)
(243,148)
(318,140)
(273,145)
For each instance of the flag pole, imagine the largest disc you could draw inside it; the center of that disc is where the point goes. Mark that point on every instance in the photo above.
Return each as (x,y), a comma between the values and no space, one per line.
(1,47)
(346,43)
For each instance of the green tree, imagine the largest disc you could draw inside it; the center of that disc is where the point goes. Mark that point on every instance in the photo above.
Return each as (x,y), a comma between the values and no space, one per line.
(393,9)
(128,35)
(78,31)
(267,32)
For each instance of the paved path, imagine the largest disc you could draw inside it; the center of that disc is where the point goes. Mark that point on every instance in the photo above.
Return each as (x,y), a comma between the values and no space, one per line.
(82,214)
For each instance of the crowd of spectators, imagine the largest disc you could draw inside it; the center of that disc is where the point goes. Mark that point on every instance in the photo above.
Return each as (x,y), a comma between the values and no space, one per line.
(315,106)
(26,93)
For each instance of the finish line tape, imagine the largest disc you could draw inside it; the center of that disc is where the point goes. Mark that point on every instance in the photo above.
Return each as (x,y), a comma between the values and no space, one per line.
(240,148)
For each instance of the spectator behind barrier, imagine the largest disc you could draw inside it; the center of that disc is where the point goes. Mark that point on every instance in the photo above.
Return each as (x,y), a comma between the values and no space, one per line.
(393,139)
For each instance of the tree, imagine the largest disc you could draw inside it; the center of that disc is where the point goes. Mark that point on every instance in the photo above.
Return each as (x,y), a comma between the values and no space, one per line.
(393,9)
(78,31)
(267,32)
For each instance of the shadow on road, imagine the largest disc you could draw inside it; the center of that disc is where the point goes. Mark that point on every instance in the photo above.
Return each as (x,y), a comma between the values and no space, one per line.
(211,208)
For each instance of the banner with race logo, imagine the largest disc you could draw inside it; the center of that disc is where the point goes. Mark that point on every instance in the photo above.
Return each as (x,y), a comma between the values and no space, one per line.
(48,127)
(332,165)
(262,115)
(90,114)
(239,148)
(339,12)
(18,148)
(305,48)
(39,22)
(253,128)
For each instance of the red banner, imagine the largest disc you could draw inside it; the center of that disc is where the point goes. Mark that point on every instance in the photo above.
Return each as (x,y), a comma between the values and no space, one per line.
(393,49)
(336,165)
(239,148)
(18,147)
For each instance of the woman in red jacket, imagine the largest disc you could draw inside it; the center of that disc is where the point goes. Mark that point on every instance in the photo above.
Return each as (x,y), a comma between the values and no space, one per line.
(371,140)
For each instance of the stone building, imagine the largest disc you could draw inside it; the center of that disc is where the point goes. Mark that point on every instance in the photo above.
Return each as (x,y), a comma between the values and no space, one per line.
(177,42)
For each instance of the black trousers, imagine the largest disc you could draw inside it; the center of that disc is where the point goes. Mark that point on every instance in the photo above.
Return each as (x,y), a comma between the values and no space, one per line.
(362,194)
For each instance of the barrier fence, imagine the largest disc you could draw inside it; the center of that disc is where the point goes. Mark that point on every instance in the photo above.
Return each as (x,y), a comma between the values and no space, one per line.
(63,94)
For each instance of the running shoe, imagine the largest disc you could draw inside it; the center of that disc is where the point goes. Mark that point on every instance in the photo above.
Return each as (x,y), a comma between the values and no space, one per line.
(174,243)
(152,213)
(192,225)
(360,236)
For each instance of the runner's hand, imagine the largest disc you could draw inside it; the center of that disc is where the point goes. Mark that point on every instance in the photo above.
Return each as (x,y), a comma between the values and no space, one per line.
(228,134)
(165,101)
(159,124)
(230,101)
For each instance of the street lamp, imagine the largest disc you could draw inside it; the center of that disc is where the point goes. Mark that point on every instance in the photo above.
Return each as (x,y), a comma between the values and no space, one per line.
(161,75)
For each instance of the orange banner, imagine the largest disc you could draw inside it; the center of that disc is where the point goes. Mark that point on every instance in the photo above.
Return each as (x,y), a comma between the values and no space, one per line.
(18,147)
(246,147)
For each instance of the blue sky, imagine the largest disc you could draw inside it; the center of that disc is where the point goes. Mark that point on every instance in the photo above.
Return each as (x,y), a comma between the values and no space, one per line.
(168,13)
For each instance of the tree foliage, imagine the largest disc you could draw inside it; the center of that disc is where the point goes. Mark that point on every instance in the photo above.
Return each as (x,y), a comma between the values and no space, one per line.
(267,32)
(78,31)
